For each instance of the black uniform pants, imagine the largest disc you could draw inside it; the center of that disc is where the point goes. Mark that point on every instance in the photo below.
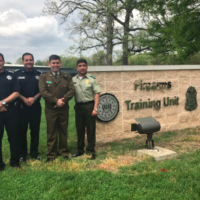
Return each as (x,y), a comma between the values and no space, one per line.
(9,120)
(85,120)
(29,115)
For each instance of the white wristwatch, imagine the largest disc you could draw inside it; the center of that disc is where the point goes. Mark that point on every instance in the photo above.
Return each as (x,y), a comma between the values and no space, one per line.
(96,109)
(3,103)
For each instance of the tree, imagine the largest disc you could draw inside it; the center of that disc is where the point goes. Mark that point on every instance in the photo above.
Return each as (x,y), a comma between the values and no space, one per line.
(69,61)
(174,28)
(39,63)
(130,29)
(8,63)
(100,24)
(95,25)
(97,59)
(19,61)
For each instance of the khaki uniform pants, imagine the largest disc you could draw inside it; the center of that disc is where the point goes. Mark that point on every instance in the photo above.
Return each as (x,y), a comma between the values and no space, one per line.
(57,125)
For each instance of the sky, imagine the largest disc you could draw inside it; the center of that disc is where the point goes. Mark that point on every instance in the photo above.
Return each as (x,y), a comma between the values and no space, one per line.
(24,28)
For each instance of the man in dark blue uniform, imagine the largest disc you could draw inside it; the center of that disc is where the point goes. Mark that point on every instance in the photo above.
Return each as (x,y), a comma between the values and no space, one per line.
(28,106)
(9,91)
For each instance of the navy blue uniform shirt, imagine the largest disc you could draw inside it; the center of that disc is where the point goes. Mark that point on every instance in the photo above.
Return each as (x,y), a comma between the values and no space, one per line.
(8,85)
(28,81)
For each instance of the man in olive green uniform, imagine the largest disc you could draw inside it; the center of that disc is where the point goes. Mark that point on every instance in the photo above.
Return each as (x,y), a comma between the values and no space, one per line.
(87,95)
(57,89)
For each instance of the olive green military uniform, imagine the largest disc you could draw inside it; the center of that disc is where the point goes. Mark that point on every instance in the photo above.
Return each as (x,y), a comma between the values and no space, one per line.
(85,89)
(52,89)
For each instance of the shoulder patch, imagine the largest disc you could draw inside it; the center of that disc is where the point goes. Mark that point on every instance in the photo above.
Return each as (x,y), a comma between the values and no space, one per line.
(66,75)
(39,72)
(8,72)
(93,77)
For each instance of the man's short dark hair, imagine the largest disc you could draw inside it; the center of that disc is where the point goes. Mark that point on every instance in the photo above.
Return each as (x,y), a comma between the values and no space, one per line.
(27,54)
(81,60)
(54,57)
(2,56)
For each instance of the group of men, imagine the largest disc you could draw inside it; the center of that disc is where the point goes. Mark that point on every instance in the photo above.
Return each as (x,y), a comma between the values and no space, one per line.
(20,95)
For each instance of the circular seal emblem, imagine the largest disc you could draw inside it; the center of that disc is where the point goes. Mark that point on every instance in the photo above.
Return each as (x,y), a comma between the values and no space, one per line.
(108,107)
(9,77)
(37,77)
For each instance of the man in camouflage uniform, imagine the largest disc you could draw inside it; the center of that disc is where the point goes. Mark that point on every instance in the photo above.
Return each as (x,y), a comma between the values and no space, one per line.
(87,95)
(57,89)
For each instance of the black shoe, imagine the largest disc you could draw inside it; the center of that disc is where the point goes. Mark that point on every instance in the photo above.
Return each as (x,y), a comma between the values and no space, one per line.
(77,154)
(66,158)
(17,166)
(49,160)
(22,159)
(36,157)
(93,157)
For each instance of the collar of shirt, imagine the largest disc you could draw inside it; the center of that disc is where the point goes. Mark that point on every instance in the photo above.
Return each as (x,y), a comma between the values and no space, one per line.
(55,73)
(28,72)
(87,76)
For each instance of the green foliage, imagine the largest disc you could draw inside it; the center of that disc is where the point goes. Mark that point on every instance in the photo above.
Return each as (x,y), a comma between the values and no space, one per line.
(142,59)
(195,59)
(174,29)
(19,61)
(98,58)
(39,63)
(69,62)
(8,63)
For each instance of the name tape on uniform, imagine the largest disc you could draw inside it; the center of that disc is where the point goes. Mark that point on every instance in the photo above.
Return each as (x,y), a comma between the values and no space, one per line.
(21,77)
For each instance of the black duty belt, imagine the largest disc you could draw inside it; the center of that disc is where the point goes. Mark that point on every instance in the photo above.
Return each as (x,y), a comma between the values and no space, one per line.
(84,103)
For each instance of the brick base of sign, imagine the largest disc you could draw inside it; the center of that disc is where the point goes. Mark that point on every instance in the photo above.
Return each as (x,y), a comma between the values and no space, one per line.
(154,98)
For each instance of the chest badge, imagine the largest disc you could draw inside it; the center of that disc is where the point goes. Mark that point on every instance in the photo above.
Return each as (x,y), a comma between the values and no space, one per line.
(37,77)
(87,81)
(9,77)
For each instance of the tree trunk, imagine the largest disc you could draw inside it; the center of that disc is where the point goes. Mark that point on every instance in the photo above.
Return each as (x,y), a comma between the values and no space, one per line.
(125,39)
(109,45)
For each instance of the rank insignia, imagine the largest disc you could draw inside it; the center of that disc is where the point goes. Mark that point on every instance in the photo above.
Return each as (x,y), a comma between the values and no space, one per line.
(93,77)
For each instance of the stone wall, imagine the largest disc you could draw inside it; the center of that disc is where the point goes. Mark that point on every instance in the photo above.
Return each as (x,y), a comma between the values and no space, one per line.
(121,84)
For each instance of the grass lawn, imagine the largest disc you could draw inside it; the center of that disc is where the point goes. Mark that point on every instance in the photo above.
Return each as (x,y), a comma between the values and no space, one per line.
(117,173)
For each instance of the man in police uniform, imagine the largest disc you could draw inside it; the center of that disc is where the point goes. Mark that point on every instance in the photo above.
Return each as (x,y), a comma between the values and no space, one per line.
(28,106)
(57,89)
(9,91)
(87,100)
